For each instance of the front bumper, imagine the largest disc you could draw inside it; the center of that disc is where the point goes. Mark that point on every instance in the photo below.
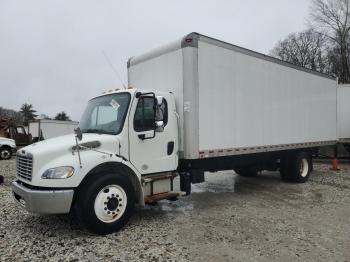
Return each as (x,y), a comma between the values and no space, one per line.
(14,150)
(43,201)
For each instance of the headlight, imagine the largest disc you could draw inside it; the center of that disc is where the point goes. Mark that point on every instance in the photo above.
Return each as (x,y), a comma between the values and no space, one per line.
(58,172)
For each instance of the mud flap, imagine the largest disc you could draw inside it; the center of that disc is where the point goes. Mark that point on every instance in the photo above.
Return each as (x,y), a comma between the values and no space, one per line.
(197,176)
(185,182)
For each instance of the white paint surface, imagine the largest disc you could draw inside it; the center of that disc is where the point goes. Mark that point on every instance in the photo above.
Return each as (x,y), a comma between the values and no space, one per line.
(163,73)
(344,112)
(245,101)
(52,128)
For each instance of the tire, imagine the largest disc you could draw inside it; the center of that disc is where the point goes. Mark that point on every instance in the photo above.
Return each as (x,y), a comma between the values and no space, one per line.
(246,171)
(284,167)
(296,167)
(5,153)
(105,203)
(347,148)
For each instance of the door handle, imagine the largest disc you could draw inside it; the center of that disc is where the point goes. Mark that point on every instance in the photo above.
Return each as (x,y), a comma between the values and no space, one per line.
(147,135)
(142,136)
(170,148)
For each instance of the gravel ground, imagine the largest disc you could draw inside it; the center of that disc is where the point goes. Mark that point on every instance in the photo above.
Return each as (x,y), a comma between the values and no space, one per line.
(227,218)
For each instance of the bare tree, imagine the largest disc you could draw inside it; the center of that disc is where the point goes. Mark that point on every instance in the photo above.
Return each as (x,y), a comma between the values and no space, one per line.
(331,18)
(306,49)
(12,114)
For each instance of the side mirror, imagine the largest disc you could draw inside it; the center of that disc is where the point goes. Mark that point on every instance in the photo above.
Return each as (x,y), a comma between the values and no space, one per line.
(78,133)
(159,126)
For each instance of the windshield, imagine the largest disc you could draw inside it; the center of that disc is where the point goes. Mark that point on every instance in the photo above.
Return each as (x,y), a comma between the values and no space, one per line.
(105,114)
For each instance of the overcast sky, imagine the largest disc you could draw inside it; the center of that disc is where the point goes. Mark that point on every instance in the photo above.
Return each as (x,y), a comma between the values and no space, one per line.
(51,52)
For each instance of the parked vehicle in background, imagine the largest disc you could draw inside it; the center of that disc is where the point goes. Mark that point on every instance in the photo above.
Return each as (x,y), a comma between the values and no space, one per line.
(198,104)
(44,129)
(37,130)
(9,129)
(342,149)
(7,148)
(344,115)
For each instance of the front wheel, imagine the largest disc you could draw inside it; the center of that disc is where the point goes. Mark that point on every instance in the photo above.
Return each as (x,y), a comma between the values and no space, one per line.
(5,153)
(105,203)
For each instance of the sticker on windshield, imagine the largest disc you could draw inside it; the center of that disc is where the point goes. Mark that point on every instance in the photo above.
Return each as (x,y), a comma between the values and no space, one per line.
(114,104)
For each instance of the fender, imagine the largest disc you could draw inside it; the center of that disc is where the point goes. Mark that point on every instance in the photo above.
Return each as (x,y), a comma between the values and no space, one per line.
(124,168)
(7,142)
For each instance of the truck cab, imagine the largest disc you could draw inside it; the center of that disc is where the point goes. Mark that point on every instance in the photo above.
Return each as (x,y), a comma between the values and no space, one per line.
(125,153)
(9,129)
(20,136)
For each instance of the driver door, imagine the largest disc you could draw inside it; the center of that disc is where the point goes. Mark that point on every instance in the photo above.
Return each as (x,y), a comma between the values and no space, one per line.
(21,137)
(153,151)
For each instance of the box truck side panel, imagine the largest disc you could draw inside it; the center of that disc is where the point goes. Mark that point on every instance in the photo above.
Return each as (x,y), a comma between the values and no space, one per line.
(344,112)
(33,129)
(52,129)
(249,102)
(162,73)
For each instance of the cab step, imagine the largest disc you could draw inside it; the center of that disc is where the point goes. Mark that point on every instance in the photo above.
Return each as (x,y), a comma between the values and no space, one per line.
(161,186)
(154,198)
(158,183)
(152,178)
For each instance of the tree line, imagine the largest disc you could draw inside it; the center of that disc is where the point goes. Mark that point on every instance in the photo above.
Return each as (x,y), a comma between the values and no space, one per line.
(325,45)
(27,113)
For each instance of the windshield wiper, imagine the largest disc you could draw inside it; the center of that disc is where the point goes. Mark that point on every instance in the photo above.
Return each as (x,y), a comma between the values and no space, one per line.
(97,131)
(90,130)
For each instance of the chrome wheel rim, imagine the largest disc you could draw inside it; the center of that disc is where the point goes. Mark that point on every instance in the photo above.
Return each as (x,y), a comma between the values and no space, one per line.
(5,154)
(110,203)
(304,167)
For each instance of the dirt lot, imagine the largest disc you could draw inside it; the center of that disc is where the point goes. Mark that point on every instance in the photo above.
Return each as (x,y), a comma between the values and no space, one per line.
(228,218)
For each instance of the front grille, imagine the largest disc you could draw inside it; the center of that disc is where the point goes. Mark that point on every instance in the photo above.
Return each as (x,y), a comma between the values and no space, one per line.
(24,166)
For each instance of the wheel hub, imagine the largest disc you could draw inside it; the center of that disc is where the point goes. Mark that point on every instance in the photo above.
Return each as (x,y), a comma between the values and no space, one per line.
(110,203)
(5,154)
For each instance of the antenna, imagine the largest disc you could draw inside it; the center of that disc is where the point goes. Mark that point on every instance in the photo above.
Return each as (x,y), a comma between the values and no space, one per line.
(113,68)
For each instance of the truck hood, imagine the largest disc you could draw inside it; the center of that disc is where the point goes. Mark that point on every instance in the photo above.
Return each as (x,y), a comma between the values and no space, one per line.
(4,139)
(61,151)
(7,141)
(58,146)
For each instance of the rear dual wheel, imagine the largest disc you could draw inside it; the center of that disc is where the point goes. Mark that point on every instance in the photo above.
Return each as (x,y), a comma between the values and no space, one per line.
(296,167)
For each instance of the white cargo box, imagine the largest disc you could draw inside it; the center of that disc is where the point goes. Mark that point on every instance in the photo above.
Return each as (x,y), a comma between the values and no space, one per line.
(344,113)
(234,101)
(51,128)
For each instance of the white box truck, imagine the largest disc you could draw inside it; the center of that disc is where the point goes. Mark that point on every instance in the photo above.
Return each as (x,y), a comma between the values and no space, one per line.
(344,115)
(196,105)
(42,129)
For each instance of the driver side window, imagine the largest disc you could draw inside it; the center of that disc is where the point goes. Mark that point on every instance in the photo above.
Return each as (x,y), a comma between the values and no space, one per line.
(20,130)
(144,119)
